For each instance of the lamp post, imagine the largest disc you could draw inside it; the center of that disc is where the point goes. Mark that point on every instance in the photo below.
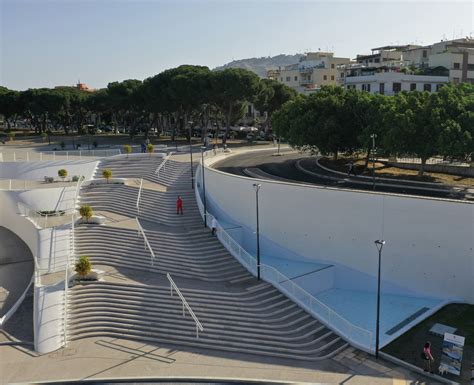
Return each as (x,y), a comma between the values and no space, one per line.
(203,185)
(373,136)
(379,244)
(191,154)
(256,187)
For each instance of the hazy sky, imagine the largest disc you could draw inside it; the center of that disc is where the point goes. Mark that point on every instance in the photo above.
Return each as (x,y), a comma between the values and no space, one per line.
(49,43)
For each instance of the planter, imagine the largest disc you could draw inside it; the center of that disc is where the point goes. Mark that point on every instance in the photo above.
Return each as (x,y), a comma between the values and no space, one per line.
(93,276)
(94,220)
(111,181)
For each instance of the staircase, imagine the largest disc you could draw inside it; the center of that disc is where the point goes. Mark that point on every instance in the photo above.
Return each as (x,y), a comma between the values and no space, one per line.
(262,322)
(238,313)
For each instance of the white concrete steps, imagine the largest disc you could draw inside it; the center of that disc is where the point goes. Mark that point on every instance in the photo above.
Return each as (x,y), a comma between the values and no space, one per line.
(153,315)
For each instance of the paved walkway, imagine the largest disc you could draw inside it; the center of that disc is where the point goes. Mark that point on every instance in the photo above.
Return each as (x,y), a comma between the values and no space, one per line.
(108,358)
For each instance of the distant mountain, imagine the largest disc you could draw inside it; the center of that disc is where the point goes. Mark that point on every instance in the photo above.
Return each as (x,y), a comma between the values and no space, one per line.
(260,65)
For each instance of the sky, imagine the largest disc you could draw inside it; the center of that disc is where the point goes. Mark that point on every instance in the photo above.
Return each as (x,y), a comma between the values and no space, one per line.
(50,43)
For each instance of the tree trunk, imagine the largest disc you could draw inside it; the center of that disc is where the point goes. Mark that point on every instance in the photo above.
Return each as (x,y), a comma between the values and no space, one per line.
(367,158)
(334,157)
(227,124)
(421,170)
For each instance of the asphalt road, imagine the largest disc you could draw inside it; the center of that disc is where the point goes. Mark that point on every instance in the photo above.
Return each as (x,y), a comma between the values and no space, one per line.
(285,167)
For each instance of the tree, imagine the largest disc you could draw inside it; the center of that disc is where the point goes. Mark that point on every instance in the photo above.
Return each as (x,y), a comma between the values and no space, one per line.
(10,105)
(107,174)
(62,173)
(83,267)
(86,212)
(127,149)
(414,126)
(149,148)
(231,87)
(270,97)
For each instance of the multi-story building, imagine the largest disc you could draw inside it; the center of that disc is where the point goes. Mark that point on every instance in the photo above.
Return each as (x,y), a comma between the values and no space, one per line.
(393,81)
(314,70)
(382,56)
(455,55)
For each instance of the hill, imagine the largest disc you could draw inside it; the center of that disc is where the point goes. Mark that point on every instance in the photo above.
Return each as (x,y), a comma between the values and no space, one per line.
(260,65)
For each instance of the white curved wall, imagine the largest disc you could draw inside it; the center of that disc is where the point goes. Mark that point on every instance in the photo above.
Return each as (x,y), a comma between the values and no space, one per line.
(39,169)
(429,242)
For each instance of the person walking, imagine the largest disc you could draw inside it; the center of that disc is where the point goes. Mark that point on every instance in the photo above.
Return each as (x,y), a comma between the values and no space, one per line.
(427,357)
(179,206)
(351,168)
(214,226)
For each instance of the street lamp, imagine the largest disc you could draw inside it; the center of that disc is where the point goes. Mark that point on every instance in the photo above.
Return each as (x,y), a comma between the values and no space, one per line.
(373,136)
(191,154)
(256,187)
(203,185)
(379,245)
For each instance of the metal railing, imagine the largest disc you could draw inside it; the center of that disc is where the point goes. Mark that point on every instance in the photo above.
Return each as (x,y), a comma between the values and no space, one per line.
(358,336)
(185,305)
(139,196)
(31,156)
(145,239)
(162,165)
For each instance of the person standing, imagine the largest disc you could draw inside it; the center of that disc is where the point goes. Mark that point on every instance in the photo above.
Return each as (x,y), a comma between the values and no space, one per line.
(179,206)
(427,357)
(214,226)
(351,168)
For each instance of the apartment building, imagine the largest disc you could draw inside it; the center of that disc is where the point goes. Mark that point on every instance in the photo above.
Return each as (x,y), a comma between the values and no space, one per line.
(382,56)
(314,70)
(393,81)
(457,56)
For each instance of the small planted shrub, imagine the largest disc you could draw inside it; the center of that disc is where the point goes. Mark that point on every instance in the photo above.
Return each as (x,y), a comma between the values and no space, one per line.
(44,135)
(83,266)
(75,178)
(107,174)
(11,135)
(127,149)
(62,173)
(149,148)
(86,212)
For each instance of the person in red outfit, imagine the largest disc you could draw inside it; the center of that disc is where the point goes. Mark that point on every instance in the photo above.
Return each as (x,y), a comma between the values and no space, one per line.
(179,206)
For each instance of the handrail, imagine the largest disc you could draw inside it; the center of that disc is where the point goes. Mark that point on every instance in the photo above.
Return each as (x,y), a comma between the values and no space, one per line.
(139,195)
(358,336)
(185,304)
(162,164)
(140,230)
(77,153)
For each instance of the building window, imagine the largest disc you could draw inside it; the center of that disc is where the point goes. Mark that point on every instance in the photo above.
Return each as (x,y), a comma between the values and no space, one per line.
(342,74)
(363,87)
(413,87)
(281,79)
(288,78)
(470,67)
(455,80)
(368,87)
(332,77)
(382,88)
(425,54)
(439,86)
(332,65)
(457,66)
(377,60)
(396,87)
(427,87)
(296,78)
(325,77)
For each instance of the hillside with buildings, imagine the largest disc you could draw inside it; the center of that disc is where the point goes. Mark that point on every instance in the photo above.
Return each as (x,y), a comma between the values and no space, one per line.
(261,65)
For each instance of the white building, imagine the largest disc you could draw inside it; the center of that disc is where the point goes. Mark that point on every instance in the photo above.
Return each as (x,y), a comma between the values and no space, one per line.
(390,83)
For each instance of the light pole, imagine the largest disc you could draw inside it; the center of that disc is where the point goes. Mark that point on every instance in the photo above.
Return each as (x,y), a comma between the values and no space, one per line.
(379,244)
(256,187)
(191,154)
(373,136)
(203,185)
